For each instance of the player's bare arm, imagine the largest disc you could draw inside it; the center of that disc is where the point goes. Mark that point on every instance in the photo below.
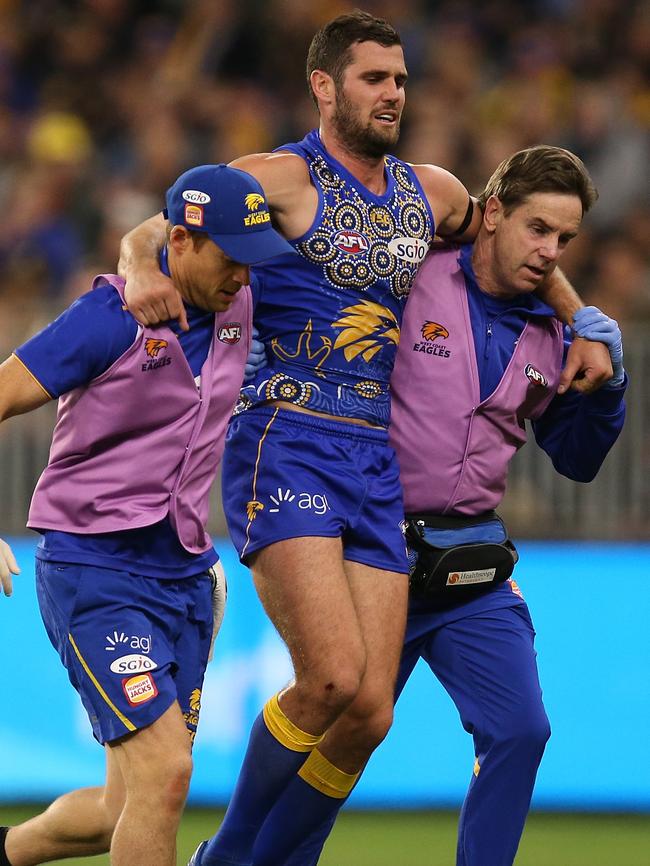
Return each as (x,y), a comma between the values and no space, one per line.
(291,197)
(20,392)
(150,295)
(450,203)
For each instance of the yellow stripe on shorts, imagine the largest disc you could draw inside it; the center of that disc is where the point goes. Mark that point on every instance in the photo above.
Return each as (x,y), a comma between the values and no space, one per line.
(253,506)
(127,724)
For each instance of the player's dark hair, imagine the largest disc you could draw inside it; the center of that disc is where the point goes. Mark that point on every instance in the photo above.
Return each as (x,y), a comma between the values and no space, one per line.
(330,48)
(543,168)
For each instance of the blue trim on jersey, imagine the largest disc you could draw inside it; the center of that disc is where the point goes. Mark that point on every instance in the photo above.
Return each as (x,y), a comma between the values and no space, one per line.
(576,430)
(80,345)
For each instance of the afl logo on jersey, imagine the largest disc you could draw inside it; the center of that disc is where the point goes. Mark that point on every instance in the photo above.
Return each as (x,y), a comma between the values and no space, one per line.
(230,333)
(408,249)
(351,242)
(535,376)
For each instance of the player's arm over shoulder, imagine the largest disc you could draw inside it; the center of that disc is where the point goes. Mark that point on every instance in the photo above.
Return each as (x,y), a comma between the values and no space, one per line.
(456,214)
(291,197)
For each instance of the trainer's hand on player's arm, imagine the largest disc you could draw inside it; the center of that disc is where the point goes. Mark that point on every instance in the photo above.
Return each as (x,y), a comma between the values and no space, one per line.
(8,566)
(256,360)
(588,367)
(592,324)
(150,295)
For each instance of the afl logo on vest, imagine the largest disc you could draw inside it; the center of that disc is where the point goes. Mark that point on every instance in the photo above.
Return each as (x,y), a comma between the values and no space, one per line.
(230,333)
(535,376)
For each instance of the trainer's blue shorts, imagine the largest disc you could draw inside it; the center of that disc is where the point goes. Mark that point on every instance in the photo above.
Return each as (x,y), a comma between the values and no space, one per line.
(291,475)
(132,645)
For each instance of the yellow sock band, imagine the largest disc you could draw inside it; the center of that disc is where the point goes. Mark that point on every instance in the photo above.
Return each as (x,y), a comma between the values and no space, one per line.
(318,772)
(284,730)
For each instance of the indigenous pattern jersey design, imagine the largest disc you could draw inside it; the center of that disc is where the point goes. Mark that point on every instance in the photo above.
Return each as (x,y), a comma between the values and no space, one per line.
(330,317)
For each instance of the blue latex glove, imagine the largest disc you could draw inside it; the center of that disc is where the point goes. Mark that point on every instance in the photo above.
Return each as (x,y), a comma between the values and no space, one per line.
(256,360)
(592,324)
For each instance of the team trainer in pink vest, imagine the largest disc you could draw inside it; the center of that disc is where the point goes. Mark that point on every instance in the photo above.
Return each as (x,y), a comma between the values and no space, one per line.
(125,568)
(479,354)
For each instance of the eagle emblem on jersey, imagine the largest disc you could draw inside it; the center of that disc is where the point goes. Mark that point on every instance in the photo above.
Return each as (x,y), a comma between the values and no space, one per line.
(366,329)
(432,330)
(252,507)
(195,700)
(152,346)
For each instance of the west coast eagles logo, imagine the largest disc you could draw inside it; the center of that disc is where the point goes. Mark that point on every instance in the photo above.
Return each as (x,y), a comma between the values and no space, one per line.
(252,508)
(365,330)
(192,717)
(153,348)
(431,331)
(254,201)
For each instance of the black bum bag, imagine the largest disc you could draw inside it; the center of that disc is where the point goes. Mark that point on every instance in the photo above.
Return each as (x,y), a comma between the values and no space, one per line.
(439,566)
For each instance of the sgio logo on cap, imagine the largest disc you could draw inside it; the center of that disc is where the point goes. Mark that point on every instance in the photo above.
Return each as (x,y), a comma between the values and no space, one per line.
(133,664)
(408,249)
(195,196)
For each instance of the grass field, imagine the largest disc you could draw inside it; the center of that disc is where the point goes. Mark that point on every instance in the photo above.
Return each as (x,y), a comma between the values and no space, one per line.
(428,839)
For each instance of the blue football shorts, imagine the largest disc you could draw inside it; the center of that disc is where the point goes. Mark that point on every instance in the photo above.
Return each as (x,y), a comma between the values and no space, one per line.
(291,475)
(131,645)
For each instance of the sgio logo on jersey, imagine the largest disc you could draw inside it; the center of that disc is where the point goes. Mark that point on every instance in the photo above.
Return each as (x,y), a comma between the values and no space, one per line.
(133,664)
(408,249)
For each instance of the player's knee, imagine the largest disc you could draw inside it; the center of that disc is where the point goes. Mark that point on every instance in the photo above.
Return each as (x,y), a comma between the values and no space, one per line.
(174,783)
(377,726)
(526,731)
(334,684)
(366,724)
(166,782)
(334,691)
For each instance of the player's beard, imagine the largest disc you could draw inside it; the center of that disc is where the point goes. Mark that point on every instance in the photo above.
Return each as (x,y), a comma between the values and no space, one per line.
(364,141)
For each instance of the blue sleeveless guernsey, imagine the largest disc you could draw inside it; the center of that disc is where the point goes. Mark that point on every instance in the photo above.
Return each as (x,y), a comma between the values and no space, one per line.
(330,318)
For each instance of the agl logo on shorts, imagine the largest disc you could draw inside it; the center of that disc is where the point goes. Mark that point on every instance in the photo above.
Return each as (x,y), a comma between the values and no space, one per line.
(316,502)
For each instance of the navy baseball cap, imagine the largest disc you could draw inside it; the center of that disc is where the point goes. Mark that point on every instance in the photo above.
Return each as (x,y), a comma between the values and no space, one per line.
(228,205)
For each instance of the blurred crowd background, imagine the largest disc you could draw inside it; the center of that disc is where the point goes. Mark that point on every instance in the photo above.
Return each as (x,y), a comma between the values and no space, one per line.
(104,102)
